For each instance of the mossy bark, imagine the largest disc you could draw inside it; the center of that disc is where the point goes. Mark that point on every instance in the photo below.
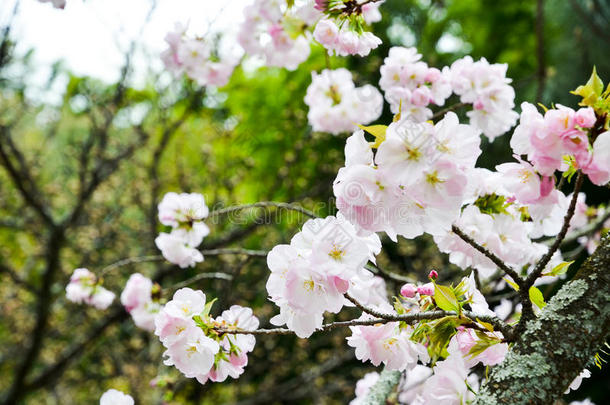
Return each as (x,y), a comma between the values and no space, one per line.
(388,379)
(560,343)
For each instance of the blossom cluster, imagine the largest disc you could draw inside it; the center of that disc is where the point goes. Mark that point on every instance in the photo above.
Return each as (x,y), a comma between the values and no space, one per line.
(194,346)
(336,105)
(184,213)
(197,58)
(280,33)
(277,33)
(311,275)
(85,287)
(487,88)
(416,181)
(411,86)
(341,31)
(137,298)
(396,346)
(560,140)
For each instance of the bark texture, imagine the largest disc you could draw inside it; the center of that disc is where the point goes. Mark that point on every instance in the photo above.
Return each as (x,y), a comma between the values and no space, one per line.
(560,343)
(388,379)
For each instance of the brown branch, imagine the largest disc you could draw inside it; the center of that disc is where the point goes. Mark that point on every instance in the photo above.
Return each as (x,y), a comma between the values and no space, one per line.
(21,177)
(491,256)
(265,204)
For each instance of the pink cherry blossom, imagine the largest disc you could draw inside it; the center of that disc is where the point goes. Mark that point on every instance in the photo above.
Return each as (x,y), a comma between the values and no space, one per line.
(84,288)
(408,290)
(176,249)
(387,344)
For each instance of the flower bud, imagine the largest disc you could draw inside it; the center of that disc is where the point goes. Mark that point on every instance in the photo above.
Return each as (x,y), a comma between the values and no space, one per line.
(408,290)
(585,117)
(433,275)
(426,289)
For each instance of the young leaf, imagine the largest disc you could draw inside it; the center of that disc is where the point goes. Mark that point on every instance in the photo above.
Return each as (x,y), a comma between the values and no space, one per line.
(378,131)
(511,283)
(445,298)
(486,325)
(591,91)
(536,297)
(560,269)
(207,308)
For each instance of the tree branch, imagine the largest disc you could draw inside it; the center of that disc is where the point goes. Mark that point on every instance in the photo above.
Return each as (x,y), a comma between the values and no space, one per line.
(491,256)
(264,204)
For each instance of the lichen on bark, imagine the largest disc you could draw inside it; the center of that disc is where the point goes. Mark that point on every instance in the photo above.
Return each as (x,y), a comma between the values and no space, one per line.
(557,345)
(388,379)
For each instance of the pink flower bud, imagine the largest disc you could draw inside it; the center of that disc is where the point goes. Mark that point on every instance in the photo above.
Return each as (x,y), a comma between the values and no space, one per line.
(433,275)
(408,290)
(321,5)
(426,289)
(585,117)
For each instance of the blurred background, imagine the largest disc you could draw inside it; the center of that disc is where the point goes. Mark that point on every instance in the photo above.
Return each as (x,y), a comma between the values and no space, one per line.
(94,132)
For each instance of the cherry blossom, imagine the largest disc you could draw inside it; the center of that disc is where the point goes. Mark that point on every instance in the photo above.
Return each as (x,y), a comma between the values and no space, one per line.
(487,88)
(448,383)
(310,276)
(336,105)
(177,250)
(387,343)
(84,287)
(185,213)
(344,41)
(574,385)
(115,397)
(137,300)
(233,348)
(410,85)
(196,57)
(188,348)
(279,37)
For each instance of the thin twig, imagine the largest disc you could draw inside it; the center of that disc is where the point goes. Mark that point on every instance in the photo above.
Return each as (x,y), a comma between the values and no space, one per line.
(157,258)
(588,230)
(198,277)
(388,275)
(491,256)
(444,111)
(560,236)
(408,318)
(264,204)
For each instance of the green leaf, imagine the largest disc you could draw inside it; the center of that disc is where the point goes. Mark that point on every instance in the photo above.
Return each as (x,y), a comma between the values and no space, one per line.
(591,91)
(378,131)
(483,343)
(445,298)
(486,325)
(492,204)
(207,308)
(560,269)
(536,297)
(511,283)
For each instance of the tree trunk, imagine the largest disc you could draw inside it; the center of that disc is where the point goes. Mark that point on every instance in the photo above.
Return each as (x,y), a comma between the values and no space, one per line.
(560,343)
